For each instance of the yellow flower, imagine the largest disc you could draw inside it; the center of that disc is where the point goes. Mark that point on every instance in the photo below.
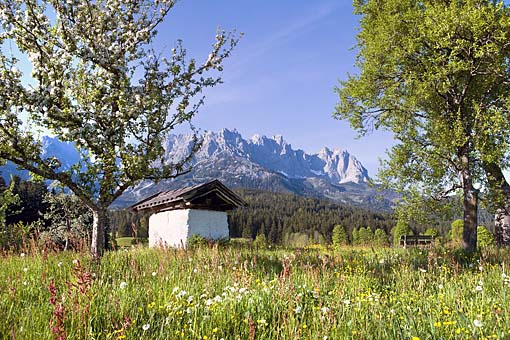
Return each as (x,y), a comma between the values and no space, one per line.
(205,337)
(415,338)
(215,330)
(437,324)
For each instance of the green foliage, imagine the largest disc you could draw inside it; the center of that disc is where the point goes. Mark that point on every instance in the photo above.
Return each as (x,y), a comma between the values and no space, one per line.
(9,236)
(69,220)
(339,236)
(435,74)
(380,238)
(260,241)
(355,237)
(485,237)
(457,229)
(365,236)
(434,232)
(285,214)
(401,229)
(196,241)
(31,204)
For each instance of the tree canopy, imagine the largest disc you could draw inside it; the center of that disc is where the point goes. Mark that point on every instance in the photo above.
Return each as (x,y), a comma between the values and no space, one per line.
(436,74)
(97,82)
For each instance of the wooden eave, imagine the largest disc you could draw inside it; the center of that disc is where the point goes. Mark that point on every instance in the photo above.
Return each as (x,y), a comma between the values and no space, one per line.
(192,198)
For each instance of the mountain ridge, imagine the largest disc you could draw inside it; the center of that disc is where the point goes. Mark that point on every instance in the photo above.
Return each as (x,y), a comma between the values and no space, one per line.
(260,162)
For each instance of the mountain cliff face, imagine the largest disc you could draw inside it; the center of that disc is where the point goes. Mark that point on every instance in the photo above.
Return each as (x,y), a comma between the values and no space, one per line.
(272,154)
(267,163)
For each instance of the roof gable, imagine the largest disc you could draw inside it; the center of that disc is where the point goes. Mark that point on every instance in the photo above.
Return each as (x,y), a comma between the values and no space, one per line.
(212,195)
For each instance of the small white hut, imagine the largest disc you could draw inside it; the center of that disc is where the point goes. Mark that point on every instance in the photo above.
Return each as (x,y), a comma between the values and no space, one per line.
(179,214)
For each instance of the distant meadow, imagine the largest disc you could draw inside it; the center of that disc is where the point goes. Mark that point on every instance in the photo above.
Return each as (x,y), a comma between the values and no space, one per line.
(240,292)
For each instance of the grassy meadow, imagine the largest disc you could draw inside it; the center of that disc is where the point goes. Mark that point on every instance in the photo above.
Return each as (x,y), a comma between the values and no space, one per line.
(244,293)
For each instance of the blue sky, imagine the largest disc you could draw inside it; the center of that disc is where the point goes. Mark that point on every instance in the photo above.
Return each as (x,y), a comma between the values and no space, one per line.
(280,79)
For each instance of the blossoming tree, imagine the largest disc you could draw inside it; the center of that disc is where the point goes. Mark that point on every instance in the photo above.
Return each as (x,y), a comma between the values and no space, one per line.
(97,82)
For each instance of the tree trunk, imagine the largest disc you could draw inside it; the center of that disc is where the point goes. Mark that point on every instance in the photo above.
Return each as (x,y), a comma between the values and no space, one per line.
(500,197)
(470,201)
(100,222)
(502,227)
(470,219)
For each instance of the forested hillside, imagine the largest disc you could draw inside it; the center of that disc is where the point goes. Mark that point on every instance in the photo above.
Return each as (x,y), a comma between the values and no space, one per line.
(284,217)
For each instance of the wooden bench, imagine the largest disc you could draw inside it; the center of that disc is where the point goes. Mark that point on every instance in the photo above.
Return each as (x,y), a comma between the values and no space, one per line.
(415,240)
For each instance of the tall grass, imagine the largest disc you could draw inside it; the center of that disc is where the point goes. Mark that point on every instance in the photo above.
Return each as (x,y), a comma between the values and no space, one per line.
(243,293)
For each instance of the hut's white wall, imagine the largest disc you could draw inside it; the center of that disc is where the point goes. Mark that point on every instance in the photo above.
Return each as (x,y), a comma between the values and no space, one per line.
(173,228)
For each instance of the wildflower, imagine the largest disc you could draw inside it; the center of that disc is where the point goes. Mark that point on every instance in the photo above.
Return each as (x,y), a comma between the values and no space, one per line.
(478,288)
(209,302)
(477,323)
(215,330)
(325,337)
(154,273)
(123,285)
(324,310)
(262,322)
(146,326)
(415,338)
(175,290)
(22,254)
(218,299)
(297,310)
(25,269)
(440,286)
(76,261)
(347,302)
(25,283)
(422,270)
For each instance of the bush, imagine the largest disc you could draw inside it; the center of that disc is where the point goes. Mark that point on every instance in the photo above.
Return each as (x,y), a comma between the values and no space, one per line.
(366,236)
(339,236)
(400,229)
(457,230)
(380,238)
(434,232)
(196,241)
(260,240)
(355,237)
(484,237)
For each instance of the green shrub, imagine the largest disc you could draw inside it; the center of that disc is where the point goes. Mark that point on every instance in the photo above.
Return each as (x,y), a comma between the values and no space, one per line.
(434,232)
(400,229)
(456,231)
(260,241)
(380,238)
(366,236)
(339,236)
(355,237)
(195,241)
(484,237)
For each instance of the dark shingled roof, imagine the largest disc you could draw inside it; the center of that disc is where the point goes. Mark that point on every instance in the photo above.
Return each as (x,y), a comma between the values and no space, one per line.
(212,195)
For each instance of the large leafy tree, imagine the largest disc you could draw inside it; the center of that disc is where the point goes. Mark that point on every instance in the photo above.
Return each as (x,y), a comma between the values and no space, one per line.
(435,73)
(97,82)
